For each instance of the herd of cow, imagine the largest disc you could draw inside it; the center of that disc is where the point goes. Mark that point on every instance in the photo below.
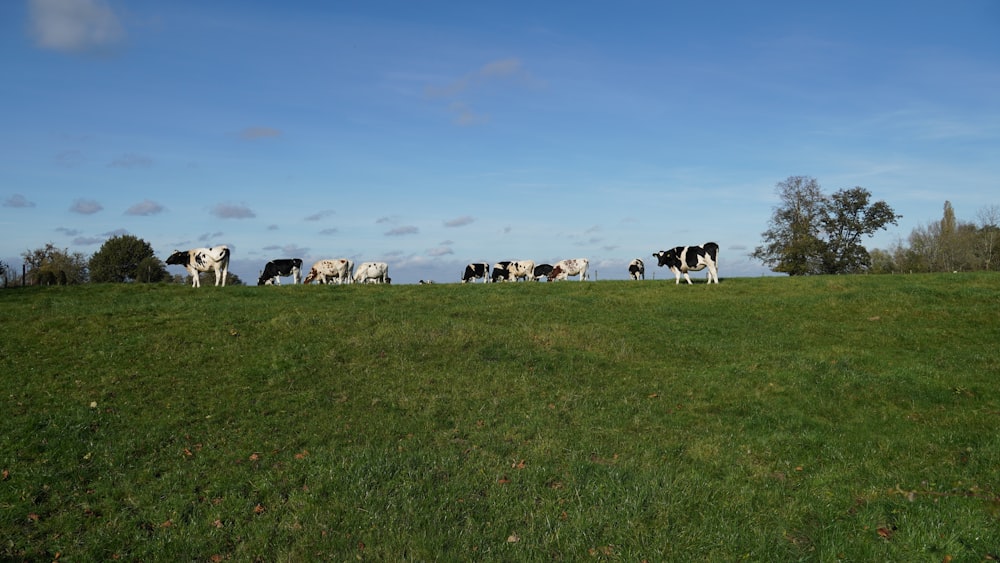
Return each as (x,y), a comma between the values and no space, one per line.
(679,260)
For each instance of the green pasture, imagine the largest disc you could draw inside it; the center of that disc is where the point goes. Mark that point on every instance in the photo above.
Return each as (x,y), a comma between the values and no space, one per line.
(845,418)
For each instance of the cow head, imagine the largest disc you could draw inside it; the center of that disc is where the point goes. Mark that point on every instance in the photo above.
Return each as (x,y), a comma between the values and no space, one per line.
(664,256)
(179,258)
(310,276)
(555,273)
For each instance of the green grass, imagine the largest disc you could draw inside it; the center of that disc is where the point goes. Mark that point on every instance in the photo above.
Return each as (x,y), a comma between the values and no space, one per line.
(824,418)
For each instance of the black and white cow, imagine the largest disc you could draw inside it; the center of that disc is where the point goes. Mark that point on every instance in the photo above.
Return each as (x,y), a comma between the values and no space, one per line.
(565,268)
(275,269)
(519,269)
(475,271)
(199,260)
(325,271)
(684,259)
(372,272)
(637,269)
(500,271)
(542,271)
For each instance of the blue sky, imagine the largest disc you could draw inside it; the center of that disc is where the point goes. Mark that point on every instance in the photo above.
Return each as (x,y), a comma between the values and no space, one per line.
(433,134)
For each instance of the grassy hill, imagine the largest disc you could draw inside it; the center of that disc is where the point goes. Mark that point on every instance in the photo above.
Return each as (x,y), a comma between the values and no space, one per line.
(821,418)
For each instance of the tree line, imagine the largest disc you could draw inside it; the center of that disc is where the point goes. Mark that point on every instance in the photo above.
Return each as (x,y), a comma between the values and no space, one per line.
(121,259)
(809,233)
(814,233)
(948,245)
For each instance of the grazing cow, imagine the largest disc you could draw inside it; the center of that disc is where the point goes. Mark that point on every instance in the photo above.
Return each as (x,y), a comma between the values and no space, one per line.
(372,272)
(565,268)
(636,269)
(518,269)
(542,271)
(325,271)
(475,271)
(500,271)
(684,259)
(275,269)
(202,260)
(426,282)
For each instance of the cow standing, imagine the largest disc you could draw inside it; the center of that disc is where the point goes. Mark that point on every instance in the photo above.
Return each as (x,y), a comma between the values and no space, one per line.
(542,271)
(565,268)
(325,271)
(500,271)
(684,259)
(475,271)
(275,269)
(372,272)
(199,260)
(637,269)
(519,269)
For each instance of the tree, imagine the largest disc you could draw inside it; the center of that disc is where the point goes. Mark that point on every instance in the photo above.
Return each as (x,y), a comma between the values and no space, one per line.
(792,241)
(126,258)
(811,233)
(847,217)
(989,236)
(3,272)
(51,266)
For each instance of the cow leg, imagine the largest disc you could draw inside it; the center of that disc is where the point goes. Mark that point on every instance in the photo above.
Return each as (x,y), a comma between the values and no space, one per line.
(713,273)
(688,278)
(296,276)
(195,282)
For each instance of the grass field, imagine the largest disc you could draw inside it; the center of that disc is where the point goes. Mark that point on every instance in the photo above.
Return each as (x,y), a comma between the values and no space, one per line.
(766,419)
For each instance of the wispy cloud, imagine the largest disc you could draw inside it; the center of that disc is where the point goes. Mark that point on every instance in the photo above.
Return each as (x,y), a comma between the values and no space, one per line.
(440,251)
(70,158)
(319,215)
(18,200)
(231,211)
(98,239)
(330,231)
(74,26)
(68,232)
(145,207)
(458,91)
(402,231)
(131,161)
(86,207)
(211,236)
(495,70)
(87,241)
(254,133)
(289,250)
(459,221)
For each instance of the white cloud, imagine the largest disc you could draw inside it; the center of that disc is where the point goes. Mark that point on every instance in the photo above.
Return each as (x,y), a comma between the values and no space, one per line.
(18,200)
(74,25)
(146,207)
(401,231)
(459,221)
(86,207)
(230,211)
